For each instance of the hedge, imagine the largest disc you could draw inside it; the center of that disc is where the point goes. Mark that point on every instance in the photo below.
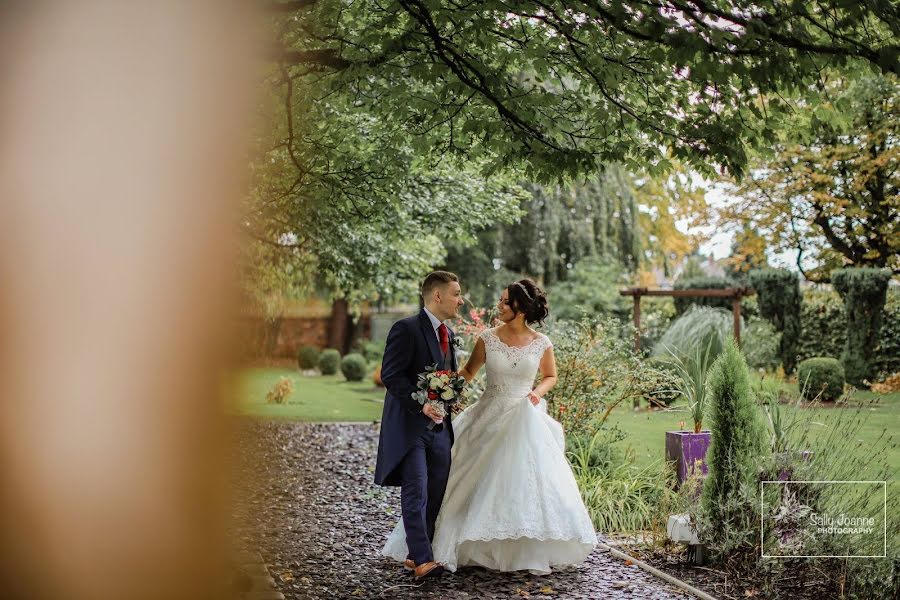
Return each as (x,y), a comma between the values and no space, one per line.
(823,330)
(697,283)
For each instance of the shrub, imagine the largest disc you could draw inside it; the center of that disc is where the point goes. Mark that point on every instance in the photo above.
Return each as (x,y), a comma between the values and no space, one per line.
(591,288)
(821,377)
(696,283)
(887,353)
(353,366)
(760,344)
(736,443)
(620,496)
(778,298)
(627,498)
(824,329)
(838,453)
(372,351)
(701,326)
(890,384)
(864,292)
(657,313)
(666,392)
(597,369)
(308,357)
(329,361)
(279,393)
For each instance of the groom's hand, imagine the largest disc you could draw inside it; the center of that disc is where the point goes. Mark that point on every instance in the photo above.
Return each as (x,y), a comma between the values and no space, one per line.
(432,414)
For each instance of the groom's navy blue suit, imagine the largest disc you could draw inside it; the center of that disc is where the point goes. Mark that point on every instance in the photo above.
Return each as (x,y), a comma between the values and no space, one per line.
(409,454)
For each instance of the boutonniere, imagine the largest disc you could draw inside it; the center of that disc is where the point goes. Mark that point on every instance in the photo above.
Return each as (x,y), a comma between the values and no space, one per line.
(457,342)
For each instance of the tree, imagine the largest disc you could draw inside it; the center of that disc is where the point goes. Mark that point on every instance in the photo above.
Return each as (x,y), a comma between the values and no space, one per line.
(561,226)
(376,249)
(666,199)
(736,443)
(748,252)
(834,196)
(367,99)
(560,84)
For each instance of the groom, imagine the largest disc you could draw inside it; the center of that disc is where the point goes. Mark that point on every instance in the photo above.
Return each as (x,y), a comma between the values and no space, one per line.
(409,454)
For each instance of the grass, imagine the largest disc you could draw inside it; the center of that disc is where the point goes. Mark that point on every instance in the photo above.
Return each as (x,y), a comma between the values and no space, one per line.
(645,431)
(331,398)
(315,398)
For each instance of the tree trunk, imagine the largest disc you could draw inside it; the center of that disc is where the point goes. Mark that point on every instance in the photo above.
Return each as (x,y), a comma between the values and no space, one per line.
(339,326)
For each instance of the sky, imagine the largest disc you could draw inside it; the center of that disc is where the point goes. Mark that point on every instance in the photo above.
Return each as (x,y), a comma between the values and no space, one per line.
(719,244)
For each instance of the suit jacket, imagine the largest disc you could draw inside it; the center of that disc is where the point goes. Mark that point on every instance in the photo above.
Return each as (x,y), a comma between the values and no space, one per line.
(411,346)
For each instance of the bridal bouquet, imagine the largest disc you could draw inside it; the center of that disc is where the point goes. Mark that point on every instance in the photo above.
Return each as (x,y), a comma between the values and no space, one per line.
(443,390)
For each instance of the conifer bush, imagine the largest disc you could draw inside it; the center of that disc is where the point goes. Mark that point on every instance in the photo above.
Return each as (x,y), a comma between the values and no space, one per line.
(737,442)
(864,292)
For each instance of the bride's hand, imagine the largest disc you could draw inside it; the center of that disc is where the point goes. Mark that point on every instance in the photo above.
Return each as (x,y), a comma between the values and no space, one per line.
(534,398)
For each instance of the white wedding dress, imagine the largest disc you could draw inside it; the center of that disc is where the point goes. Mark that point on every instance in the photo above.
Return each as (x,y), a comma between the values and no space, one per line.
(511,501)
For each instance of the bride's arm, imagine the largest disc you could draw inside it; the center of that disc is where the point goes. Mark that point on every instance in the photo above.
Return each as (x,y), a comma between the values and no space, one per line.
(476,360)
(548,376)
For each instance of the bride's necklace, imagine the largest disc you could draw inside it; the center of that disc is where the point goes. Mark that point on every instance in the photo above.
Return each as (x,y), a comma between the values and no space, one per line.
(515,351)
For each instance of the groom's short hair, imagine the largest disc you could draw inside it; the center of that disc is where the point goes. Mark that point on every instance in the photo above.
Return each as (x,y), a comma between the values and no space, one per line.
(436,278)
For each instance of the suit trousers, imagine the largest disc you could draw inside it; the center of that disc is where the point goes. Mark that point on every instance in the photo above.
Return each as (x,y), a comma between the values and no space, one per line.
(424,472)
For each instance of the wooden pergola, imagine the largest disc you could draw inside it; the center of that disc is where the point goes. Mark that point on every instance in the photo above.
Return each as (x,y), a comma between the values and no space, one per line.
(734,293)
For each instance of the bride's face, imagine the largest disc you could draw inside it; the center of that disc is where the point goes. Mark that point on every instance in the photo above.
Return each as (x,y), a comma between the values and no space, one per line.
(505,311)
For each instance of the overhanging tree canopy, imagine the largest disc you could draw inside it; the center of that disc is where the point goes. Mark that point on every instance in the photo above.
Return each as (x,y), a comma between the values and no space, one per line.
(366,98)
(561,83)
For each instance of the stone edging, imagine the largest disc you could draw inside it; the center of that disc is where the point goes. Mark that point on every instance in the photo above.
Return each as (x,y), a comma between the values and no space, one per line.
(654,571)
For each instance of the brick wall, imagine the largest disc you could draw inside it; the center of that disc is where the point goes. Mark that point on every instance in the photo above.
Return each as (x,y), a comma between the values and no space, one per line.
(282,338)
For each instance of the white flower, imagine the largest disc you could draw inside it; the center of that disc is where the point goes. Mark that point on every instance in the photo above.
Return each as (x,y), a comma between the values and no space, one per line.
(447,395)
(434,383)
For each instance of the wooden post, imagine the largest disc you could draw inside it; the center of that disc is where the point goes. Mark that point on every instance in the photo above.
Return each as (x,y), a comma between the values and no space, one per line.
(637,322)
(736,311)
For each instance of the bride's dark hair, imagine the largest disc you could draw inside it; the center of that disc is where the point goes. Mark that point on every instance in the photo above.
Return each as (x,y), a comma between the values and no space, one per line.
(526,297)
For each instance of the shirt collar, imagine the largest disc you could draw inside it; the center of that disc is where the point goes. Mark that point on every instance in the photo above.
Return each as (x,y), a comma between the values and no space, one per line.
(435,322)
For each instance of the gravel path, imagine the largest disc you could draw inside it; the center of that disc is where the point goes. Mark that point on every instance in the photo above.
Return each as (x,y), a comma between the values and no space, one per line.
(308,504)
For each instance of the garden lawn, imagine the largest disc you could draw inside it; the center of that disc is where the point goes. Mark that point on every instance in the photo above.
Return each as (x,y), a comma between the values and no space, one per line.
(645,431)
(315,398)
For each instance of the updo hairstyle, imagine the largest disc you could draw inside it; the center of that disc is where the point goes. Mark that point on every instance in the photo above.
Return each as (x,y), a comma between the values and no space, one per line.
(527,298)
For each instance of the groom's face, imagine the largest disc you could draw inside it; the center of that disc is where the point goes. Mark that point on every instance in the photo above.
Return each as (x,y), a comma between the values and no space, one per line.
(449,299)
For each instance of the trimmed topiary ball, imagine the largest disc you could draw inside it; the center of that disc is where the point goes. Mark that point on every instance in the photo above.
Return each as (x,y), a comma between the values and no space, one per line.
(329,361)
(353,366)
(308,357)
(821,375)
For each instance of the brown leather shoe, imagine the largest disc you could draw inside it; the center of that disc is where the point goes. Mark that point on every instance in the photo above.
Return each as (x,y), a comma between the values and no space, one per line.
(429,569)
(409,564)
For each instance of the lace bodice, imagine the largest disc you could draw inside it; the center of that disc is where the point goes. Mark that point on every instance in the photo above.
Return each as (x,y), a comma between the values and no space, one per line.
(512,368)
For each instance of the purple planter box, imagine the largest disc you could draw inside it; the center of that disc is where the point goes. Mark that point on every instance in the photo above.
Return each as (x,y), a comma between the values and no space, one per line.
(685,448)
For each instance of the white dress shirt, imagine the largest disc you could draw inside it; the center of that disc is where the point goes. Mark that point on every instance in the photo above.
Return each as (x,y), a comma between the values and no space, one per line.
(435,322)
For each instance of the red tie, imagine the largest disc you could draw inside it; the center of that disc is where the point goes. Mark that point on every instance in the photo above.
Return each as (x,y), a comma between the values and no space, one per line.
(445,339)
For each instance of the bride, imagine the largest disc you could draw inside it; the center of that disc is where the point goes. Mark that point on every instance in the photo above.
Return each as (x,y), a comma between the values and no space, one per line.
(511,501)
